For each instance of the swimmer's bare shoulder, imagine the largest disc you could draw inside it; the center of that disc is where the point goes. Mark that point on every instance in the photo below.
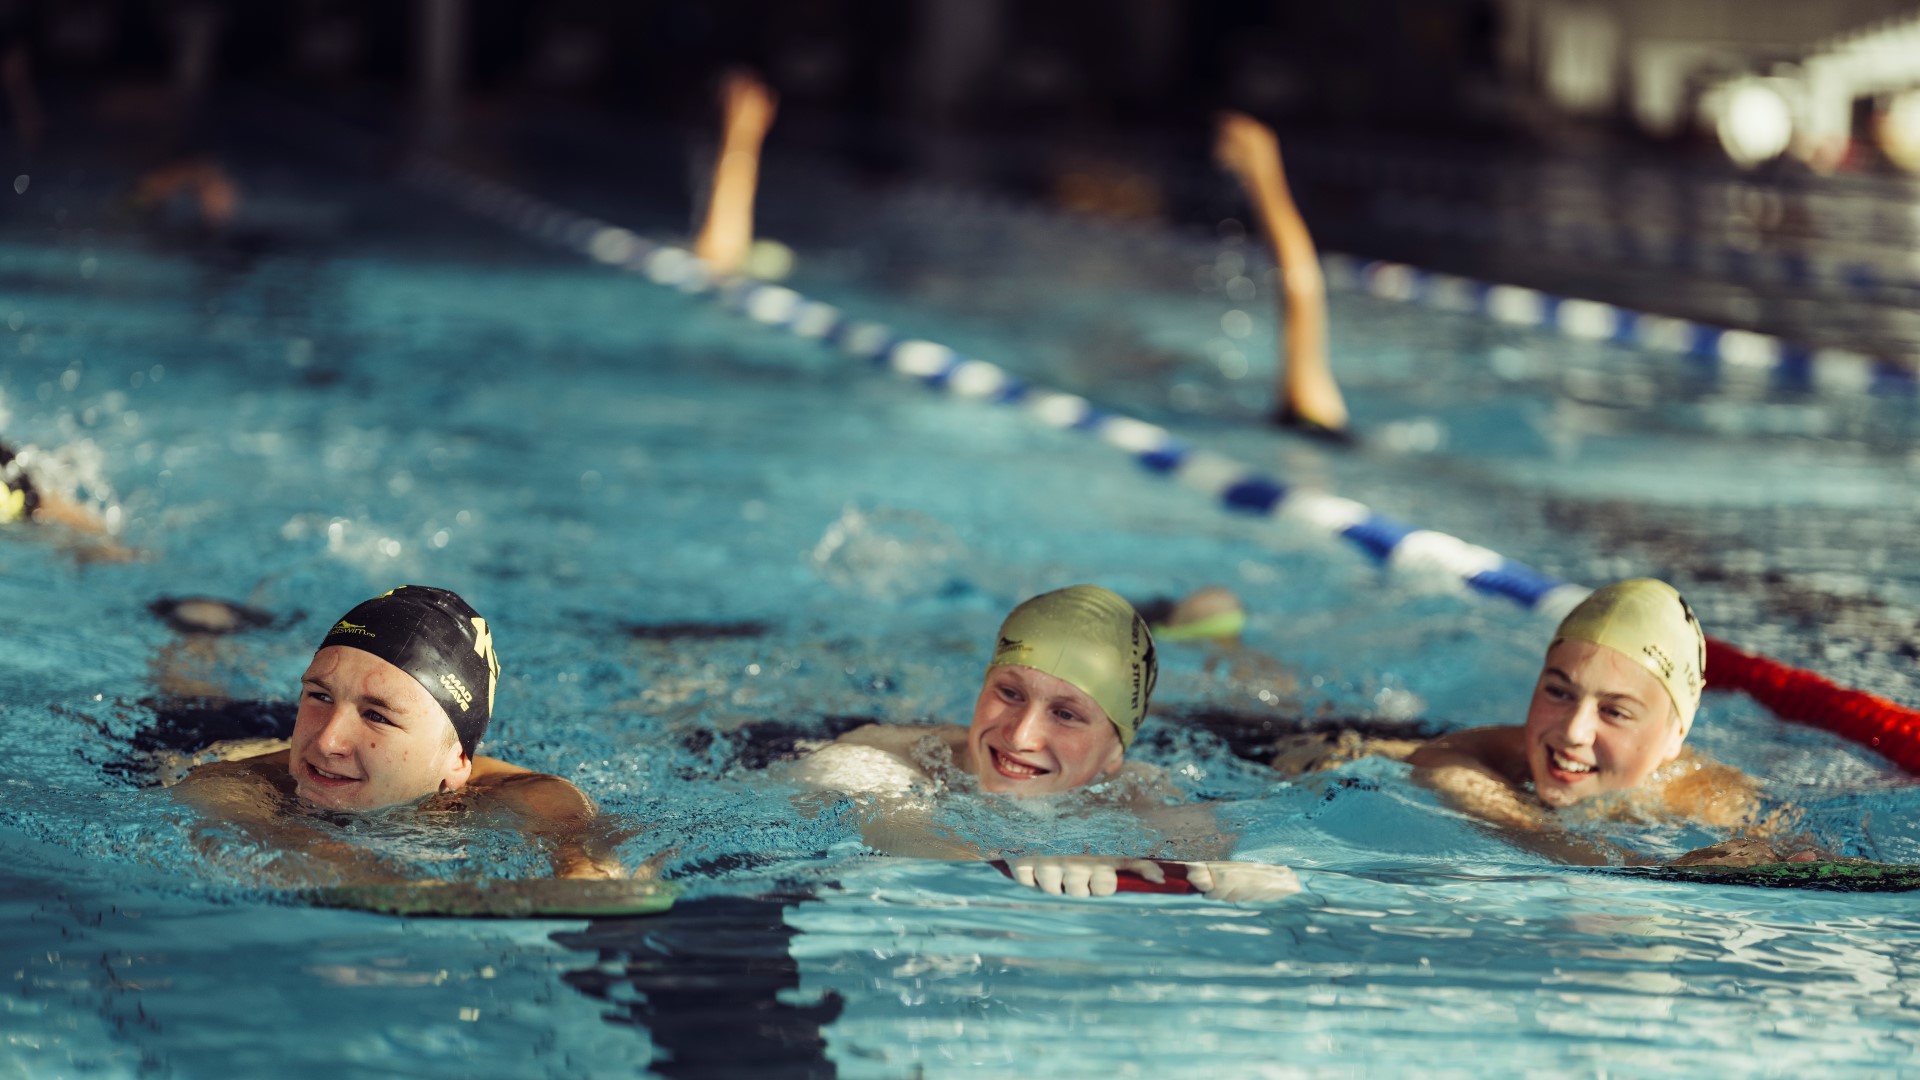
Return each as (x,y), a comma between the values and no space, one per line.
(1482,771)
(1499,751)
(533,795)
(252,788)
(877,757)
(1698,788)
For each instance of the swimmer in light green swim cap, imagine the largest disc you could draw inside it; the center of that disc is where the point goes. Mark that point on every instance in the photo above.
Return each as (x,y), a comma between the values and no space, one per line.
(1611,710)
(1066,688)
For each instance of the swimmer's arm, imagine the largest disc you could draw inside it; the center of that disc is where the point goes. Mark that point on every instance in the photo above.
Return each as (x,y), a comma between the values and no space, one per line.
(1480,771)
(54,509)
(580,841)
(1193,834)
(238,796)
(1721,796)
(1474,772)
(907,829)
(1192,831)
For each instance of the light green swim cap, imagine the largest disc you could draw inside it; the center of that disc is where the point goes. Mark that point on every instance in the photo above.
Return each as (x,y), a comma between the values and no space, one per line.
(1650,621)
(1093,639)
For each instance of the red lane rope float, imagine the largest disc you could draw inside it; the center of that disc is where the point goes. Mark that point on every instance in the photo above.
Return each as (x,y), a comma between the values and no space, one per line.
(1807,698)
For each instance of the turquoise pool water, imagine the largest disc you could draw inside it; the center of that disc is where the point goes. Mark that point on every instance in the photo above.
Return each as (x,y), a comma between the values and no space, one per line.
(698,540)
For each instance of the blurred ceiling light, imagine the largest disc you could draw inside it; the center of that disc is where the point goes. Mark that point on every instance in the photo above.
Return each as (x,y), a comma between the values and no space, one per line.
(1899,130)
(1753,120)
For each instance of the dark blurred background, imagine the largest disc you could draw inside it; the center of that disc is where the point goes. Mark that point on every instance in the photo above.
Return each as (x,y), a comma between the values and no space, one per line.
(1753,153)
(1659,70)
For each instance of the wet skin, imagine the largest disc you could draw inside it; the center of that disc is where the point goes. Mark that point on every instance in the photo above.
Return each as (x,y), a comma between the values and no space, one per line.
(369,735)
(1598,723)
(1036,734)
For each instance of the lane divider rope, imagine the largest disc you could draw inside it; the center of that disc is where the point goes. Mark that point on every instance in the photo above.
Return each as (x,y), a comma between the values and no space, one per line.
(1236,486)
(1717,352)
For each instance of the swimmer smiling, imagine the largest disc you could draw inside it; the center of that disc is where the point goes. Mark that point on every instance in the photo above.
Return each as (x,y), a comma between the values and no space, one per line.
(1068,684)
(1606,726)
(392,711)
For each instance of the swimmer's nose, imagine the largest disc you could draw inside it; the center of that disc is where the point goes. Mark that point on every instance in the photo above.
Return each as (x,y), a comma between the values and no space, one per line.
(332,738)
(1584,722)
(1025,734)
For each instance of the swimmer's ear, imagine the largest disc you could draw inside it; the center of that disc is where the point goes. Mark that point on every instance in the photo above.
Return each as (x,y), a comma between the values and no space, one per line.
(458,771)
(1116,758)
(1676,739)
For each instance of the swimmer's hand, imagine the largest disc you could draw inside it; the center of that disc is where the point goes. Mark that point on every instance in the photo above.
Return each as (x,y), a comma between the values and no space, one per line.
(579,866)
(1747,851)
(1242,882)
(1080,875)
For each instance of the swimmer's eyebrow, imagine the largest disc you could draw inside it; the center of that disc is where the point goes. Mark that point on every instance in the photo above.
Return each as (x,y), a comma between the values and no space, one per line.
(1621,695)
(367,699)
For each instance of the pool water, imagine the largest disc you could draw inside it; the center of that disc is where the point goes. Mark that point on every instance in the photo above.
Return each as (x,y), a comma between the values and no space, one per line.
(700,541)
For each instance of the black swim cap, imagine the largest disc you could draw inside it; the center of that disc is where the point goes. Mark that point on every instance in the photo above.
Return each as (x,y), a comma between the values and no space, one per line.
(18,498)
(436,637)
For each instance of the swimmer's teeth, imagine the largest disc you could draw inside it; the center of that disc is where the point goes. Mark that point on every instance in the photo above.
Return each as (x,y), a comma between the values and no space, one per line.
(1020,767)
(1567,764)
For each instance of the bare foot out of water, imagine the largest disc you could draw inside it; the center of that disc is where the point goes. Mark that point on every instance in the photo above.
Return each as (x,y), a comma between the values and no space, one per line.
(1307,397)
(747,108)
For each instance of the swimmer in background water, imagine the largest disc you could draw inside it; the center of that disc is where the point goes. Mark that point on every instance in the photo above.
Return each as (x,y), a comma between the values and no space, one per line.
(1213,617)
(1610,715)
(22,500)
(392,711)
(725,239)
(1306,398)
(196,181)
(1066,689)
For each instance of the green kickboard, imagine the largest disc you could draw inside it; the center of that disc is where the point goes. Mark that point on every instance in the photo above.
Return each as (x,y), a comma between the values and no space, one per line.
(503,899)
(1830,876)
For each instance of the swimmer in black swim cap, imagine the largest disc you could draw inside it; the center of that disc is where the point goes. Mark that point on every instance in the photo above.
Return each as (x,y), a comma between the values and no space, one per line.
(1066,688)
(24,501)
(393,709)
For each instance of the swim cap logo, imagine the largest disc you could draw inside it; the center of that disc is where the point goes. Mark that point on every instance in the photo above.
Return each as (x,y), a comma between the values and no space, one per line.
(1697,672)
(483,646)
(1660,659)
(345,627)
(458,689)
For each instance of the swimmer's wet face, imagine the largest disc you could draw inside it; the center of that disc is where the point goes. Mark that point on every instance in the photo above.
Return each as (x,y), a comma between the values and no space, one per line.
(1037,734)
(1599,722)
(368,735)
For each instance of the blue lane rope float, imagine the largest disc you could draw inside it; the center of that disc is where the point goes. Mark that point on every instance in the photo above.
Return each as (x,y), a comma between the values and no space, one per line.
(1880,278)
(1235,485)
(1715,352)
(1788,366)
(1803,696)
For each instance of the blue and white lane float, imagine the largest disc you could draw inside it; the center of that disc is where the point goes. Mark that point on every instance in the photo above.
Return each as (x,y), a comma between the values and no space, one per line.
(1714,351)
(1789,366)
(1235,485)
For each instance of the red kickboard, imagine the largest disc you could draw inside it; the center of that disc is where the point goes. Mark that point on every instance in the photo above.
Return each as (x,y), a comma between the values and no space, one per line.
(1129,881)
